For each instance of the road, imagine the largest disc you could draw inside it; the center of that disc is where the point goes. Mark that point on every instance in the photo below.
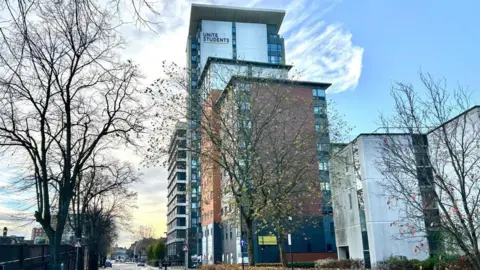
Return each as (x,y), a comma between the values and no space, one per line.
(132,266)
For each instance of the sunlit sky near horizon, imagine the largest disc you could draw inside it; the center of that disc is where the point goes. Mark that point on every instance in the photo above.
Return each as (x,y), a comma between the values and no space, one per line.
(361,47)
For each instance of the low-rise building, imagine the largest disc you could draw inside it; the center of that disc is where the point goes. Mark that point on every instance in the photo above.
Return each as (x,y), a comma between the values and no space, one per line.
(388,189)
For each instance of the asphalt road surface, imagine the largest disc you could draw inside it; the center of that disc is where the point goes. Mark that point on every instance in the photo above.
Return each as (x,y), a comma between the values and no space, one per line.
(131,266)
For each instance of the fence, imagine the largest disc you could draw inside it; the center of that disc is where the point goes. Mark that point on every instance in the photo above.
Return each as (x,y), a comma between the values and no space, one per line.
(33,257)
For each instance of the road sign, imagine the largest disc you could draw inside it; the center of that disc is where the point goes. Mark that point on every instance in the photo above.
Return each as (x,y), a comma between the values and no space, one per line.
(270,240)
(242,243)
(77,245)
(185,248)
(289,239)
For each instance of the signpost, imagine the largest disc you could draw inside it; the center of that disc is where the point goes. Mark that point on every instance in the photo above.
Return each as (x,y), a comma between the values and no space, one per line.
(290,244)
(291,254)
(185,248)
(77,246)
(242,243)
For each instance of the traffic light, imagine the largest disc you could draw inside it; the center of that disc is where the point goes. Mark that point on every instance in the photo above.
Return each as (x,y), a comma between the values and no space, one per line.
(5,230)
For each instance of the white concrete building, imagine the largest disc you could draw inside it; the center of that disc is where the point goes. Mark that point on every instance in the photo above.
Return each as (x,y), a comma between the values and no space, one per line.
(387,189)
(177,192)
(363,219)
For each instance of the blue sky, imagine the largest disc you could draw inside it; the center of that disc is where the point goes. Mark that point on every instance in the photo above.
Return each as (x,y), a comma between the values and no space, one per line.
(400,39)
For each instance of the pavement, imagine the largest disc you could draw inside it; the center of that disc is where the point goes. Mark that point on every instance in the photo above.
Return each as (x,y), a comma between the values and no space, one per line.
(133,266)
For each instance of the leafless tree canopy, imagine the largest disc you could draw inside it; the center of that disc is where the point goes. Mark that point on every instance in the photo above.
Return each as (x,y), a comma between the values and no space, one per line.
(432,171)
(145,232)
(64,92)
(258,133)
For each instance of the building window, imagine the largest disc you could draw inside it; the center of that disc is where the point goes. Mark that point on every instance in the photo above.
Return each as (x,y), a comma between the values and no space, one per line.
(318,92)
(274,59)
(194,46)
(274,47)
(325,186)
(350,200)
(317,127)
(194,59)
(323,166)
(317,110)
(231,235)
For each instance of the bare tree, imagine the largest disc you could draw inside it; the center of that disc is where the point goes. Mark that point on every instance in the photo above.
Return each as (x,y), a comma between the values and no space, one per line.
(289,195)
(145,232)
(432,170)
(103,176)
(105,216)
(64,92)
(236,116)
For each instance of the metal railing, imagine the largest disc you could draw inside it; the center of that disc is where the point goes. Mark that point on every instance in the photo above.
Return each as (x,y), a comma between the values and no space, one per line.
(33,257)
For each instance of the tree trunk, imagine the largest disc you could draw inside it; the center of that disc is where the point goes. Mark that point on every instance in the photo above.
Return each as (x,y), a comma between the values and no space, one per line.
(475,260)
(92,260)
(55,250)
(281,248)
(250,235)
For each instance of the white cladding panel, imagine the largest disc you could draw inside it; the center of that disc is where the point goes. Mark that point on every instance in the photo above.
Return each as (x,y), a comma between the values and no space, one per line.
(252,42)
(378,215)
(209,48)
(347,220)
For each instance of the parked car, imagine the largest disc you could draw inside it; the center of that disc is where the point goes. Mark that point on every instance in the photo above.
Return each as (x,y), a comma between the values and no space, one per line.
(141,263)
(108,264)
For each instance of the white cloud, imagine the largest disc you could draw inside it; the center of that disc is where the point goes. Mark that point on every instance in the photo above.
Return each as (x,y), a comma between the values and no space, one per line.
(318,50)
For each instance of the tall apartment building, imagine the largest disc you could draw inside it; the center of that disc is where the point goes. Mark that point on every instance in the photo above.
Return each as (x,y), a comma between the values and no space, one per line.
(177,187)
(301,120)
(224,42)
(226,33)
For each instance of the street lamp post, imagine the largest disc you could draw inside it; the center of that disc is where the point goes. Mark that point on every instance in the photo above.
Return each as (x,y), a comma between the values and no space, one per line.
(241,238)
(290,244)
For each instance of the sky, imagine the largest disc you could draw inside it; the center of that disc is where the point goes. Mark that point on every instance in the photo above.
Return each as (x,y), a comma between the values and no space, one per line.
(361,47)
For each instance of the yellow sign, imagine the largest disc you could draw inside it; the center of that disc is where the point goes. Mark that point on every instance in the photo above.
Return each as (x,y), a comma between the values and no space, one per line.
(270,240)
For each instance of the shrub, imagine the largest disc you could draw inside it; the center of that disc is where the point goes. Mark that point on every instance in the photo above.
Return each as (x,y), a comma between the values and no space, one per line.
(342,264)
(303,264)
(445,261)
(398,263)
(295,265)
(237,267)
(268,265)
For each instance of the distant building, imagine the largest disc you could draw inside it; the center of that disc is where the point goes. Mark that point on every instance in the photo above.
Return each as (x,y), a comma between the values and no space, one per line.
(119,253)
(37,232)
(11,240)
(177,193)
